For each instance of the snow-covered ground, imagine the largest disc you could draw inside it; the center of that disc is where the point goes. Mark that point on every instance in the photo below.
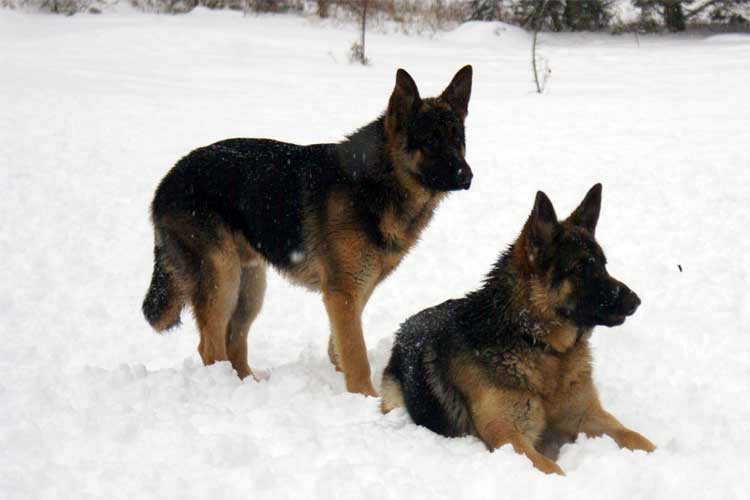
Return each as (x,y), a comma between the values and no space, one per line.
(95,109)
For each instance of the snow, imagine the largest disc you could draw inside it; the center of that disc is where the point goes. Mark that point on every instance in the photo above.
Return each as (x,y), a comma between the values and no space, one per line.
(734,38)
(489,35)
(95,109)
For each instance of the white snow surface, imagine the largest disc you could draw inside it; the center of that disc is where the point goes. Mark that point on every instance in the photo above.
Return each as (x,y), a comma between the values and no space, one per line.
(95,109)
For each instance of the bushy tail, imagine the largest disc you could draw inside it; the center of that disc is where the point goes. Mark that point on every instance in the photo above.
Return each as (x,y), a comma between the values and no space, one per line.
(164,300)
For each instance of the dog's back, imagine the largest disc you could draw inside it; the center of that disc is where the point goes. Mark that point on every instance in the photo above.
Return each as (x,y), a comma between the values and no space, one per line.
(416,373)
(259,187)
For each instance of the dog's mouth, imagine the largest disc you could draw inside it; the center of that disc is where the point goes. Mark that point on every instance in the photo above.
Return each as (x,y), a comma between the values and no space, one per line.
(613,319)
(438,184)
(593,320)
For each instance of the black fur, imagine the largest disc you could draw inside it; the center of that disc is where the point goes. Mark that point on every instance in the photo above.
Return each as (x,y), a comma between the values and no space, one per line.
(264,188)
(496,326)
(484,323)
(259,187)
(276,195)
(160,292)
(418,363)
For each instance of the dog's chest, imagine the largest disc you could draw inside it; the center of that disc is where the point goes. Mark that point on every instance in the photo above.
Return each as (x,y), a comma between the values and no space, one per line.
(400,229)
(563,378)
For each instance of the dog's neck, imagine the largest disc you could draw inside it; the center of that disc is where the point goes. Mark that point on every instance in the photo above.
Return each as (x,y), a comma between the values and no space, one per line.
(362,155)
(368,155)
(508,303)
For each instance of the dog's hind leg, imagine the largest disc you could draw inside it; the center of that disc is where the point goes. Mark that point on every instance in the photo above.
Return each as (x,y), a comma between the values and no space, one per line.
(215,299)
(249,303)
(392,396)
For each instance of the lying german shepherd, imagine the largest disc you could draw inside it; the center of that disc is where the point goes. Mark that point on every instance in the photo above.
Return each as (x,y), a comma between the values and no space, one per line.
(510,362)
(337,218)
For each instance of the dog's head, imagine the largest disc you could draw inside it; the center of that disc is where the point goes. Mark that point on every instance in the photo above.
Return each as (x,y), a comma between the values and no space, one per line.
(425,137)
(567,267)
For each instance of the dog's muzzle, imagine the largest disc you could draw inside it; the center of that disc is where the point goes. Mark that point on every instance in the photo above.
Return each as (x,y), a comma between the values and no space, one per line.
(464,176)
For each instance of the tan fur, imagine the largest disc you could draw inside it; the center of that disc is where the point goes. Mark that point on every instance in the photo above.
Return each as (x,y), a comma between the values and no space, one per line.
(332,354)
(350,271)
(558,400)
(224,277)
(340,261)
(558,334)
(343,264)
(346,267)
(391,395)
(227,300)
(561,337)
(249,303)
(502,415)
(216,299)
(518,375)
(598,422)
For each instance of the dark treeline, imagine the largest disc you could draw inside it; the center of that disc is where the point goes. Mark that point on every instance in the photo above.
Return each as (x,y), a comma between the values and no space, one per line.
(549,15)
(597,15)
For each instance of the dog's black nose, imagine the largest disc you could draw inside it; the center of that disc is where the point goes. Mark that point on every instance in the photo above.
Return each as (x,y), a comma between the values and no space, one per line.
(463,177)
(630,303)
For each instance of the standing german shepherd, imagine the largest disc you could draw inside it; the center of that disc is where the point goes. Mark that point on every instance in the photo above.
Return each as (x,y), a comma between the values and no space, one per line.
(337,218)
(510,362)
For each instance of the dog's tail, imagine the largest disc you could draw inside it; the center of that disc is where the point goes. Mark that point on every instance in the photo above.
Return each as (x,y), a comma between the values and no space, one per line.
(164,299)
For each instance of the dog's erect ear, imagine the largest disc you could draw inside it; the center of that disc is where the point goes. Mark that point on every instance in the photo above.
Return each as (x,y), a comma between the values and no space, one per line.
(587,213)
(404,100)
(542,223)
(458,92)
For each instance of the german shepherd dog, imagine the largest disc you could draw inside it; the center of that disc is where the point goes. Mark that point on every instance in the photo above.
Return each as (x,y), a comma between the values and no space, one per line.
(510,362)
(335,218)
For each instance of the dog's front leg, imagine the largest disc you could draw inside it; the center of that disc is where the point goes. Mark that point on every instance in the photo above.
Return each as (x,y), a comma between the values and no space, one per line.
(344,312)
(501,415)
(498,422)
(597,422)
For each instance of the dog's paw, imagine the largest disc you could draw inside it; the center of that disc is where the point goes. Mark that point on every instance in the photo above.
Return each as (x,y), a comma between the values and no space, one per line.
(364,388)
(634,441)
(547,466)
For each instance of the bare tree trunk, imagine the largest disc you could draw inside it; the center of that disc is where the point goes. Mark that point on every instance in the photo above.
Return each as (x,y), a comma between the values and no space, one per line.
(539,17)
(364,26)
(674,17)
(533,62)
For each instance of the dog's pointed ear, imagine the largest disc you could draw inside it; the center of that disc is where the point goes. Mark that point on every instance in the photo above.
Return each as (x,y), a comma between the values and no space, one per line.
(458,92)
(587,213)
(542,224)
(404,100)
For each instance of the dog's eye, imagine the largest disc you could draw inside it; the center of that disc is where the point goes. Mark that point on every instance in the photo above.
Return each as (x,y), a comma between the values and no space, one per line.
(588,268)
(576,268)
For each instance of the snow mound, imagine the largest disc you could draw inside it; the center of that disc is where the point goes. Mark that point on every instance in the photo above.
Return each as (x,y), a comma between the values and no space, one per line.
(488,33)
(729,38)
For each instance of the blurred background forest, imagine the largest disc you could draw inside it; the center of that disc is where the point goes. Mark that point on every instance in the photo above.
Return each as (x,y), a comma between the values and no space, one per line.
(613,16)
